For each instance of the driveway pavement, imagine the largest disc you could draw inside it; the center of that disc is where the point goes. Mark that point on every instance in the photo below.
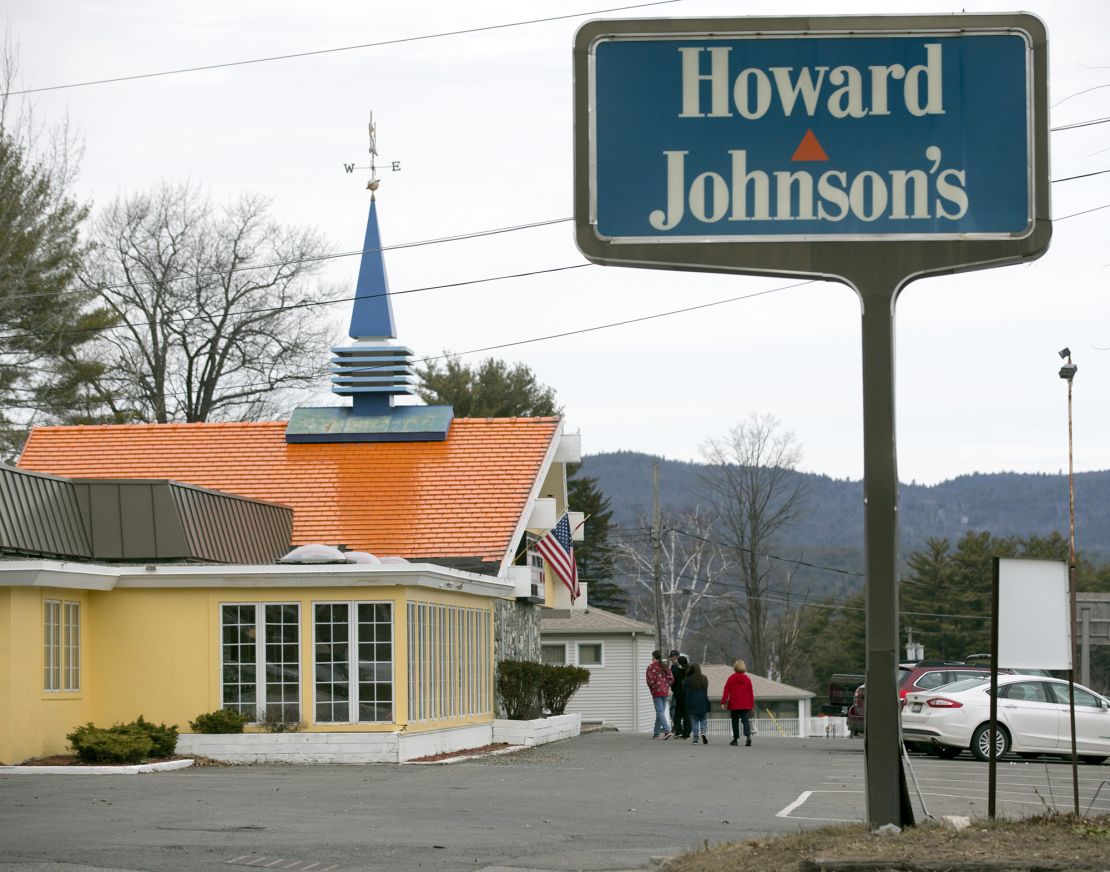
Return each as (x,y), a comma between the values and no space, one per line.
(603,801)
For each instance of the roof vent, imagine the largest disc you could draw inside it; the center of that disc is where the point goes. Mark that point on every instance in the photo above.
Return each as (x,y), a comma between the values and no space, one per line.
(314,554)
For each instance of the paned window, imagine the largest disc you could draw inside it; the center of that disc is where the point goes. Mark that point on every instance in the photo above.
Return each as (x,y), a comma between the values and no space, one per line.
(261,660)
(61,635)
(590,654)
(354,662)
(450,661)
(555,654)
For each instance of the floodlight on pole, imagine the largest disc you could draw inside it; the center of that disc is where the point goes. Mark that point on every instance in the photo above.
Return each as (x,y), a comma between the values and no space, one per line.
(1068,371)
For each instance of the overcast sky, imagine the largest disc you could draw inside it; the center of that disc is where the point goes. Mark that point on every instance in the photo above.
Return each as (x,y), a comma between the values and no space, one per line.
(482,126)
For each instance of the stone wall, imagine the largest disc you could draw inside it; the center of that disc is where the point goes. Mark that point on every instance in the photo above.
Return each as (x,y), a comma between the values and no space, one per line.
(516,631)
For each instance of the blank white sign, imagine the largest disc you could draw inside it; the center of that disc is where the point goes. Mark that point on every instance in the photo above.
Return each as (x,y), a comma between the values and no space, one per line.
(1034,625)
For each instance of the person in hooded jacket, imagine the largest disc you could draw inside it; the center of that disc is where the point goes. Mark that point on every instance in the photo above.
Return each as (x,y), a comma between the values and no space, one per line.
(696,686)
(680,721)
(659,681)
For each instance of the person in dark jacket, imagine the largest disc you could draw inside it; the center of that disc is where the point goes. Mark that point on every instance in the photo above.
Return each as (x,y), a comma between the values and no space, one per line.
(739,700)
(679,719)
(696,688)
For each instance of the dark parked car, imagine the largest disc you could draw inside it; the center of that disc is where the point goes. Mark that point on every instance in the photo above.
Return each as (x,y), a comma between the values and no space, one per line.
(913,677)
(842,688)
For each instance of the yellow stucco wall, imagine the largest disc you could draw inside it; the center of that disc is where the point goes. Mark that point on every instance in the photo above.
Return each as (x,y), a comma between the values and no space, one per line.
(6,709)
(156,653)
(33,722)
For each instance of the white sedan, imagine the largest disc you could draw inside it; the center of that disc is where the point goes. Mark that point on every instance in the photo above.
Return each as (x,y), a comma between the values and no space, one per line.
(1032,718)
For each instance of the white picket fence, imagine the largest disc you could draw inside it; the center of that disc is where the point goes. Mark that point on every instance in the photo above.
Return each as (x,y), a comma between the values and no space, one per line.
(790,728)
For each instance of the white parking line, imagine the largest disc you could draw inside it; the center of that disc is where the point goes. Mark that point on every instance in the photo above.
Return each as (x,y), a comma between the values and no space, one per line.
(806,794)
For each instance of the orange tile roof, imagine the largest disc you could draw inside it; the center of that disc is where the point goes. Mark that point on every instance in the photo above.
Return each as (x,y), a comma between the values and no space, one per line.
(461,497)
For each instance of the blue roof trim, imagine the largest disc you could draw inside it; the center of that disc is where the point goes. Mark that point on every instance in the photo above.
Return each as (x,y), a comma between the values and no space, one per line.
(372,315)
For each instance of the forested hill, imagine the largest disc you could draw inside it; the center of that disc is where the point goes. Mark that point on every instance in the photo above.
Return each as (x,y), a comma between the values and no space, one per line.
(1003,504)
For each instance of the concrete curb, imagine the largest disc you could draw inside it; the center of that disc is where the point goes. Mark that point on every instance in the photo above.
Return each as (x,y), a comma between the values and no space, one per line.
(139,769)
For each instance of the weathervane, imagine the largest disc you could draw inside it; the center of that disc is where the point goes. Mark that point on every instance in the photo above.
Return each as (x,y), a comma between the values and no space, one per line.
(394,165)
(374,182)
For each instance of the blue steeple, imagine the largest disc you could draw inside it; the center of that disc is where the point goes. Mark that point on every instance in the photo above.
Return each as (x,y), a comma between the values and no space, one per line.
(372,314)
(372,371)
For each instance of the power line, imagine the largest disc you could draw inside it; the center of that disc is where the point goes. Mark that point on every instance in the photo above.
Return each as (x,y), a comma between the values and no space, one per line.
(311,304)
(472,234)
(632,320)
(304,54)
(373,367)
(1083,176)
(767,555)
(1078,124)
(798,562)
(1084,212)
(800,603)
(534,339)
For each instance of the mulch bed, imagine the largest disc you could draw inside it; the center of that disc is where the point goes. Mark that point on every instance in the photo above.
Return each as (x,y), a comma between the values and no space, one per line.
(468,752)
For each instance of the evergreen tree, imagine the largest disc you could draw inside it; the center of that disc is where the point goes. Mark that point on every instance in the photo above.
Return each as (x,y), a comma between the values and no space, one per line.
(946,594)
(835,643)
(596,562)
(492,390)
(43,364)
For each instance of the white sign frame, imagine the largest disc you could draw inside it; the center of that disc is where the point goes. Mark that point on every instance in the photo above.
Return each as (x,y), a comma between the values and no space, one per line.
(1033,616)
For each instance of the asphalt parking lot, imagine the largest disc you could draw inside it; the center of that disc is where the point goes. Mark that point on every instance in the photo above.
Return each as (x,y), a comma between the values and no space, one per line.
(603,801)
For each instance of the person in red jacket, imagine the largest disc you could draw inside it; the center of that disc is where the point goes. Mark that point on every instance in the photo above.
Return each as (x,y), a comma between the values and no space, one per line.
(739,700)
(659,681)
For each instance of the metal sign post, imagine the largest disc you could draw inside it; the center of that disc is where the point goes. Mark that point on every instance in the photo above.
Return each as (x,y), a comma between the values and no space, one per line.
(868,150)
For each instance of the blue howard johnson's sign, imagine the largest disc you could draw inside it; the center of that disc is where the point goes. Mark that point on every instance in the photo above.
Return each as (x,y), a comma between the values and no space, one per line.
(811,136)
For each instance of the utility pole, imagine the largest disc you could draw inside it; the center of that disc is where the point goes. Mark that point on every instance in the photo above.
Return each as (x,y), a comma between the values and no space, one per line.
(657,556)
(1067,371)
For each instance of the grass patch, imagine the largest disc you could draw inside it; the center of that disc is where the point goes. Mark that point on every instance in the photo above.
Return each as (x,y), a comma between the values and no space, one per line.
(1061,839)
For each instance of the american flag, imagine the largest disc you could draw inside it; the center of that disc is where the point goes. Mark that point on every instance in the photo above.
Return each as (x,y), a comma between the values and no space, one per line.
(557,550)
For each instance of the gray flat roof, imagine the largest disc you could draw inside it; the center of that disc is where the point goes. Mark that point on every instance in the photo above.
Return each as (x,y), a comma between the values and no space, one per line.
(578,621)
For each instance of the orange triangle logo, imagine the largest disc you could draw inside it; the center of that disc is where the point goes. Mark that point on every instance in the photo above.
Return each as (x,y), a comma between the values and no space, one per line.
(809,149)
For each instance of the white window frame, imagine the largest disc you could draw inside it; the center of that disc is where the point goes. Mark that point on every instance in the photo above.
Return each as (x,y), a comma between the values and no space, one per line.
(578,654)
(353,699)
(260,683)
(536,565)
(61,646)
(450,661)
(562,645)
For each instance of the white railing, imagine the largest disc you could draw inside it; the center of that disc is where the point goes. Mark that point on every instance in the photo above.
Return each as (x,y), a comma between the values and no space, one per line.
(790,728)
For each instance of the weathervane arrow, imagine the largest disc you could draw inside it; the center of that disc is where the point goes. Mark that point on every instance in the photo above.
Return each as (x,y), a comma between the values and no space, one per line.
(394,165)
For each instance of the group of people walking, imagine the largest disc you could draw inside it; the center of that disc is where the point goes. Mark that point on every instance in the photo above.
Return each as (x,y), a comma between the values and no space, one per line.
(687,689)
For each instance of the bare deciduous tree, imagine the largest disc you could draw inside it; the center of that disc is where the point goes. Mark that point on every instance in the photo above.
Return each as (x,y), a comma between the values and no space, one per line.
(792,619)
(210,304)
(755,493)
(692,567)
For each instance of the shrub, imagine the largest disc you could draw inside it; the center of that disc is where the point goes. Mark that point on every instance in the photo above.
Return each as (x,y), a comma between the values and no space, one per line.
(559,683)
(119,744)
(518,685)
(163,739)
(219,721)
(274,722)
